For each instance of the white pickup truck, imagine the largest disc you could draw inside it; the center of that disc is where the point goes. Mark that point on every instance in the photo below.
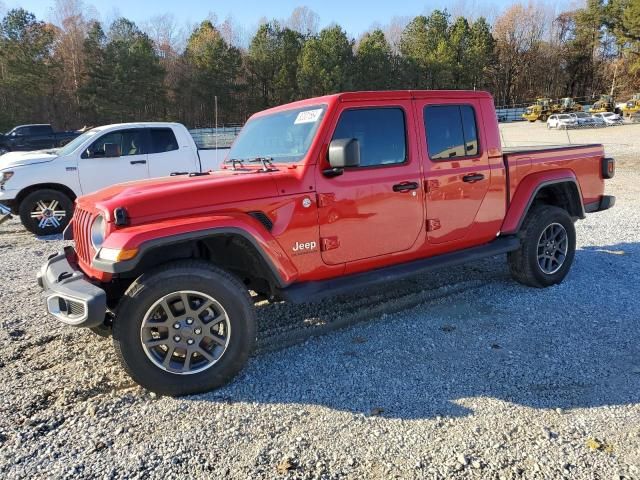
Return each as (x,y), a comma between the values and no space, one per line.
(41,186)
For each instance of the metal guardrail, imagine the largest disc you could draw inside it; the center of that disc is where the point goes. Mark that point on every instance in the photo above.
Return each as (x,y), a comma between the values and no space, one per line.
(513,113)
(215,138)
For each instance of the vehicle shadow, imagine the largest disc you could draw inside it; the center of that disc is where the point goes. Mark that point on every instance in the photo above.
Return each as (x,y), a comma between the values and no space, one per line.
(576,345)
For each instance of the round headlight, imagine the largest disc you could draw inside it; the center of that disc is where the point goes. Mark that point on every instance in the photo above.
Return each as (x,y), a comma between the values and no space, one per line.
(98,231)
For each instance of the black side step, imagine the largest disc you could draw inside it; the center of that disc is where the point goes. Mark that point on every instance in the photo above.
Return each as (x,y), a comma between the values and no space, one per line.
(314,291)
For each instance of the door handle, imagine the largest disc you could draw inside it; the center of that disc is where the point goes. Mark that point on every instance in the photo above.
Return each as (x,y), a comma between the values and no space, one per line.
(405,186)
(136,162)
(474,177)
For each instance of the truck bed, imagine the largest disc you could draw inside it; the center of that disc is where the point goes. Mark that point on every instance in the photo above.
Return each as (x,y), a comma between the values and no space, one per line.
(579,161)
(537,148)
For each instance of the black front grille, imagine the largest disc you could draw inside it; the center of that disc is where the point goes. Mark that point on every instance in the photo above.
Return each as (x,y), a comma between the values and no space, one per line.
(263,219)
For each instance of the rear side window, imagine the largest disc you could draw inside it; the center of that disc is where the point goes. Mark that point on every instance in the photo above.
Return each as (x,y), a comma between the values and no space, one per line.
(451,131)
(40,130)
(162,140)
(380,133)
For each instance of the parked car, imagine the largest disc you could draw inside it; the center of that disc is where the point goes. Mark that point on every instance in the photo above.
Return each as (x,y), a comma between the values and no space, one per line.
(608,118)
(34,137)
(584,119)
(561,121)
(320,197)
(42,186)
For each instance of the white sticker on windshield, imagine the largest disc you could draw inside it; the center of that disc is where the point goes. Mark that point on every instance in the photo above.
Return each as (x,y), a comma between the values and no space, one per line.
(308,116)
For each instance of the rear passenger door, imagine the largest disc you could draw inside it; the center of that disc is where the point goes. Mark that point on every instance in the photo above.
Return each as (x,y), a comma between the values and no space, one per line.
(164,153)
(457,173)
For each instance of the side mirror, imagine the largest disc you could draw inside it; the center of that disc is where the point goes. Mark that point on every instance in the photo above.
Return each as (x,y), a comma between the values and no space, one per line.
(111,150)
(343,153)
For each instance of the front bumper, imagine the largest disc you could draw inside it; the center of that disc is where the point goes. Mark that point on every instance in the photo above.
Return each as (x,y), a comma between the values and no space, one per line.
(69,295)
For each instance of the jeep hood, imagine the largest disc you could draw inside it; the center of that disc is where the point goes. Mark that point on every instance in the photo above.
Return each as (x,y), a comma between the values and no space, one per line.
(181,195)
(21,159)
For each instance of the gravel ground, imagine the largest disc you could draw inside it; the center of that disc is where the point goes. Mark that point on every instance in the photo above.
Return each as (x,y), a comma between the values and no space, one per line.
(458,374)
(620,141)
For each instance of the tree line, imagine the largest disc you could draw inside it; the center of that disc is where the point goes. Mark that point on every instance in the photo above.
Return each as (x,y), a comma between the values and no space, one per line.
(74,70)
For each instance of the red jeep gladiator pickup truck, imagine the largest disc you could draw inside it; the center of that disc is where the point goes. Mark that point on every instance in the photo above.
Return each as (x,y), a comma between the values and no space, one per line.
(317,198)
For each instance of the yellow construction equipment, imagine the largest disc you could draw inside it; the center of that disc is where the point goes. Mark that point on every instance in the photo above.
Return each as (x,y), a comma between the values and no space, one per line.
(632,105)
(540,110)
(568,105)
(604,104)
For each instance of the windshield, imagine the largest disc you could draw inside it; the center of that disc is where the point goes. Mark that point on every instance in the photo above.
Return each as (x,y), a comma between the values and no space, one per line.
(76,142)
(283,136)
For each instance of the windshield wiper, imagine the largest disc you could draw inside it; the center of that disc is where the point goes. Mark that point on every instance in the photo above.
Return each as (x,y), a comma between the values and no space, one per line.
(234,162)
(267,163)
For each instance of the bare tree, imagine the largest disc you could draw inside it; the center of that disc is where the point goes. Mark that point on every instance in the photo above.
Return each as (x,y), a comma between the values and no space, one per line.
(518,33)
(304,20)
(393,32)
(72,18)
(233,33)
(163,31)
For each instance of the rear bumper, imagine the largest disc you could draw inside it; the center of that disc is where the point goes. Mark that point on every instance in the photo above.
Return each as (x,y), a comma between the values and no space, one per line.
(606,202)
(69,295)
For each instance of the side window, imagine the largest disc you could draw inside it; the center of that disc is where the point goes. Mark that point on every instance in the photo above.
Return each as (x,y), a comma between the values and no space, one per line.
(131,142)
(41,130)
(380,133)
(162,140)
(19,132)
(451,131)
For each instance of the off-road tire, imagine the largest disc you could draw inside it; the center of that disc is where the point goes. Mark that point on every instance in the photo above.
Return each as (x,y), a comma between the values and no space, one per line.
(523,263)
(543,118)
(31,201)
(192,275)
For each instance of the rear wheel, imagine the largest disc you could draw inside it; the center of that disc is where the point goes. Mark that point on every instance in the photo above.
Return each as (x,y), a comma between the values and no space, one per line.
(46,212)
(186,328)
(547,249)
(543,118)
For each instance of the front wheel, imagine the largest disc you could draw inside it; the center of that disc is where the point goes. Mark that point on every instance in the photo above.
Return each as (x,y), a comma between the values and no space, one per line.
(184,328)
(547,249)
(46,212)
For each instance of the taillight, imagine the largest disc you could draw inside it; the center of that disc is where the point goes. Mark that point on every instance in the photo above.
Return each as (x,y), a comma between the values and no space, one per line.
(608,168)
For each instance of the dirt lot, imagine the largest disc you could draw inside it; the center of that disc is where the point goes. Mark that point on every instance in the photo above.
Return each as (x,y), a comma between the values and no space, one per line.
(459,374)
(620,141)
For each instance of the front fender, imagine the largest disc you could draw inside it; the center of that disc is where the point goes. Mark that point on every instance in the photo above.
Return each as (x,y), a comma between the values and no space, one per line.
(526,192)
(167,232)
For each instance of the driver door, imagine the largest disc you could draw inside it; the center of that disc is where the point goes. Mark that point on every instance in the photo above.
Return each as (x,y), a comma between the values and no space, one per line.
(97,171)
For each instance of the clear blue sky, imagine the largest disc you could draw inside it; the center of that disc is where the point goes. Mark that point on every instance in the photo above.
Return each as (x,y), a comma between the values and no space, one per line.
(356,16)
